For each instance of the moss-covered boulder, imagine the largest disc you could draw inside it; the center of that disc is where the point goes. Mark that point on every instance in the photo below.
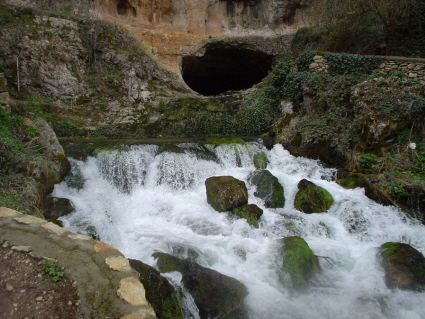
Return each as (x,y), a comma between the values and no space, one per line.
(251,213)
(226,192)
(404,266)
(311,198)
(56,207)
(215,294)
(161,295)
(299,261)
(268,188)
(261,160)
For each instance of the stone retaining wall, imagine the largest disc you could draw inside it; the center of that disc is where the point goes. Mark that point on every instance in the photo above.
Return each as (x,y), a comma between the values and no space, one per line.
(413,68)
(107,286)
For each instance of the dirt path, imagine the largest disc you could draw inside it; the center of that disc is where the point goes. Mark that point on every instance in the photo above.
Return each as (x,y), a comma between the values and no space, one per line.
(26,293)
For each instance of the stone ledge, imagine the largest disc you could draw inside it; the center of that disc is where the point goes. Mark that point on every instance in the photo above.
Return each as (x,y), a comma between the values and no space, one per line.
(94,265)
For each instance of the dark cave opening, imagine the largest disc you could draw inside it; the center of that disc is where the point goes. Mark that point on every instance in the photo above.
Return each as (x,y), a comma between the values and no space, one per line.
(124,8)
(225,69)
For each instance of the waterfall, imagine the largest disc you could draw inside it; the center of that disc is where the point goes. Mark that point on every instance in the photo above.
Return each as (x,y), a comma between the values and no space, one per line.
(141,199)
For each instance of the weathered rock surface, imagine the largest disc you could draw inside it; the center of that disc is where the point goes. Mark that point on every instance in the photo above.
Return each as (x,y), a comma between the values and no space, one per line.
(251,213)
(383,107)
(226,192)
(56,207)
(215,294)
(91,67)
(404,266)
(299,262)
(311,198)
(159,292)
(56,166)
(260,160)
(268,188)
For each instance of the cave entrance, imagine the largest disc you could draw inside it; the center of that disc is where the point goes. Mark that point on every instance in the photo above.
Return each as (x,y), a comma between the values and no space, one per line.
(225,69)
(124,8)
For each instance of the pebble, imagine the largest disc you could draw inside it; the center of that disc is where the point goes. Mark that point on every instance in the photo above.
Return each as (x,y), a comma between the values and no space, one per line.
(9,287)
(39,298)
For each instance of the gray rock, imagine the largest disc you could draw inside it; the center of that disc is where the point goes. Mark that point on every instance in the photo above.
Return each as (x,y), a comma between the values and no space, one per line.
(404,266)
(214,294)
(268,188)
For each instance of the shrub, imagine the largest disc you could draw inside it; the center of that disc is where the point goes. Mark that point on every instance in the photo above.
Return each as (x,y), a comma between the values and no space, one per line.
(368,160)
(351,63)
(304,60)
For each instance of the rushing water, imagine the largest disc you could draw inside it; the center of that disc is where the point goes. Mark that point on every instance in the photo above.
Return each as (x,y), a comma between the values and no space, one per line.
(141,200)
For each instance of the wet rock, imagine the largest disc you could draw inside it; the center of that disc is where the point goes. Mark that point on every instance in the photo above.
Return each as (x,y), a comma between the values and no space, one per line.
(159,292)
(311,198)
(214,294)
(261,160)
(56,207)
(404,266)
(299,262)
(268,188)
(226,192)
(251,213)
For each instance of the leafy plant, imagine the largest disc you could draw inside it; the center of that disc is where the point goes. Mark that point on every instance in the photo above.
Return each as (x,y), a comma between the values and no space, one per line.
(304,60)
(51,270)
(368,160)
(341,63)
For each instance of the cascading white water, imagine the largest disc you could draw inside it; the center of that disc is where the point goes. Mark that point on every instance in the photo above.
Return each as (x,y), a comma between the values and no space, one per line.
(140,202)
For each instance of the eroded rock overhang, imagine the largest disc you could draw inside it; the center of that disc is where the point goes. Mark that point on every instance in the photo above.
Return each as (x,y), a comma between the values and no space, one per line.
(225,67)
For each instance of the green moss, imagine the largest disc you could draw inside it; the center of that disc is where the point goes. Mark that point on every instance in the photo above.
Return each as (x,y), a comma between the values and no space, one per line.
(224,141)
(168,263)
(251,213)
(312,198)
(299,261)
(390,249)
(260,160)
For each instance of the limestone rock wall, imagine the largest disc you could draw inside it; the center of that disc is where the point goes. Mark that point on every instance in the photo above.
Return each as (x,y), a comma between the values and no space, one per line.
(211,16)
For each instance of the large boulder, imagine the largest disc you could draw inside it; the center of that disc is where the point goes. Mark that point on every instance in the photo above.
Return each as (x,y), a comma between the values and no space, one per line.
(311,198)
(251,213)
(268,188)
(161,295)
(299,262)
(215,294)
(226,192)
(404,266)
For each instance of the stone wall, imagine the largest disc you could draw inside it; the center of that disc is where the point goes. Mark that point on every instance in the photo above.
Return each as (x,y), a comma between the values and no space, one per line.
(413,68)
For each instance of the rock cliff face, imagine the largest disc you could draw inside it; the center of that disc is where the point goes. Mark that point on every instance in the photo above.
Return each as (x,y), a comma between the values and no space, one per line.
(173,28)
(211,16)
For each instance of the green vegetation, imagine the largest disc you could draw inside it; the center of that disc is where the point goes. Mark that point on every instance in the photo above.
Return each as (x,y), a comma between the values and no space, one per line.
(311,198)
(368,160)
(51,270)
(251,213)
(389,27)
(299,261)
(351,63)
